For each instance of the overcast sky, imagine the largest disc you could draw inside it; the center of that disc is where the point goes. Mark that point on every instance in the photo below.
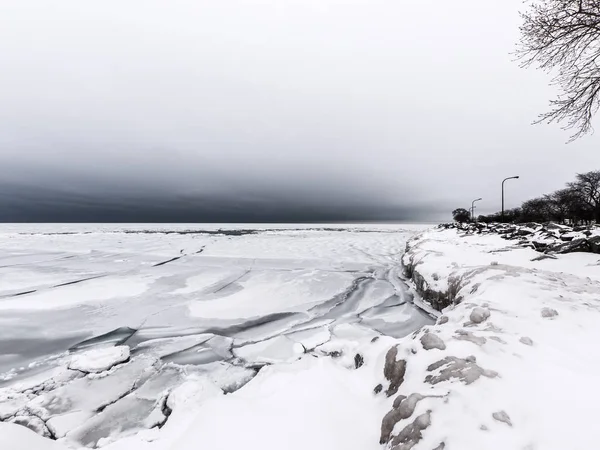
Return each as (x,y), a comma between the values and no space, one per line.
(299,110)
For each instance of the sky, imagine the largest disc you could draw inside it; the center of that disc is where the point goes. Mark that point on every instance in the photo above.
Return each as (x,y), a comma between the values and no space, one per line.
(272,110)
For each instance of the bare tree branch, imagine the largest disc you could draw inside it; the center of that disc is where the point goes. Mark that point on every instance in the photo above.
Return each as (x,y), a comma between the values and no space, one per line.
(563,36)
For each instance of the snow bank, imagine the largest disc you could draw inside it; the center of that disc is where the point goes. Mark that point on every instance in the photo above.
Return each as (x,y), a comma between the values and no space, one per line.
(16,437)
(312,401)
(512,363)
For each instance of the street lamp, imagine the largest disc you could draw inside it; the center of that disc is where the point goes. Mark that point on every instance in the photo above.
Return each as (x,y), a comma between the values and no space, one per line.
(473,208)
(509,178)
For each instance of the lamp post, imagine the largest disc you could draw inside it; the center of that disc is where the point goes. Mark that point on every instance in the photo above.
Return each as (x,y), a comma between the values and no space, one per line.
(509,178)
(473,208)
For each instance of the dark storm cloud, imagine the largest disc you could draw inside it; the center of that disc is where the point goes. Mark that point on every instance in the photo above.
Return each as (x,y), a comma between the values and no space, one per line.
(35,204)
(287,110)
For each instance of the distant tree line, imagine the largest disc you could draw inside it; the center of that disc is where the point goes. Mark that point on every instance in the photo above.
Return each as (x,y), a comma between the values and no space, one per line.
(578,202)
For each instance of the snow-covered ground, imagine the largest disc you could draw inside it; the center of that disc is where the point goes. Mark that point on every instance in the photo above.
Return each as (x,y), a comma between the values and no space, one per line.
(515,364)
(198,336)
(262,337)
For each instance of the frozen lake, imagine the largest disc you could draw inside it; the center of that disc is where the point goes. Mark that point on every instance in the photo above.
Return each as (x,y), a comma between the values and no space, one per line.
(170,302)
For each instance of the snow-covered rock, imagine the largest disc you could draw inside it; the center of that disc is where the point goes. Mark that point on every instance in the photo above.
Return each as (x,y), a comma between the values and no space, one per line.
(548,237)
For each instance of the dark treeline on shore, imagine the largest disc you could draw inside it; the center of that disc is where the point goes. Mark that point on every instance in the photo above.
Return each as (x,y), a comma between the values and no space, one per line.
(578,202)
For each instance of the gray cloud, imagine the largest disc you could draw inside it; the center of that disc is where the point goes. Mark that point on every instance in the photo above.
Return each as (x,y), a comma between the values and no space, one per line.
(270,110)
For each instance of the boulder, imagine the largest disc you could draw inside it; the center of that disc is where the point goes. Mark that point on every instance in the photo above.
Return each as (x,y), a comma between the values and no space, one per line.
(402,410)
(594,244)
(576,245)
(553,226)
(429,341)
(394,371)
(501,416)
(524,231)
(479,315)
(549,313)
(412,433)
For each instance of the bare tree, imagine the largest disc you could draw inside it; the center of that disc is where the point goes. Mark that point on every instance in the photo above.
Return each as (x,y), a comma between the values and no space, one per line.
(461,215)
(559,204)
(536,210)
(588,187)
(564,36)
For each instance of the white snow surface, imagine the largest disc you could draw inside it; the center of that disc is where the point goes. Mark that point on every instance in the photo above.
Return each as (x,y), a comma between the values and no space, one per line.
(17,437)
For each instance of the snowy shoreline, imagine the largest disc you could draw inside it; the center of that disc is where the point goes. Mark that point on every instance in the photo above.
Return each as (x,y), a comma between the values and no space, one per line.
(512,366)
(511,363)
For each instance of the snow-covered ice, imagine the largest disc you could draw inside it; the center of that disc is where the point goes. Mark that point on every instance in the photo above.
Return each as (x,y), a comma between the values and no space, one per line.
(99,359)
(128,336)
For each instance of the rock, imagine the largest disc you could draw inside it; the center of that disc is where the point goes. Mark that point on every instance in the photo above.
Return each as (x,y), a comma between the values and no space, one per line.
(378,388)
(442,320)
(394,371)
(501,416)
(479,315)
(430,341)
(576,245)
(542,257)
(525,340)
(442,446)
(594,244)
(524,231)
(413,433)
(553,226)
(465,370)
(549,313)
(398,400)
(404,410)
(468,336)
(358,360)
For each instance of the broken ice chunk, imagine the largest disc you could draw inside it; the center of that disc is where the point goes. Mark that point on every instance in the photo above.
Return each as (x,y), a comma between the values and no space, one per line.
(99,359)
